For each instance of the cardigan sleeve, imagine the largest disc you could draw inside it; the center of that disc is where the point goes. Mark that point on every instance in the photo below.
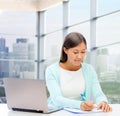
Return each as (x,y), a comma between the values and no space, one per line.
(53,85)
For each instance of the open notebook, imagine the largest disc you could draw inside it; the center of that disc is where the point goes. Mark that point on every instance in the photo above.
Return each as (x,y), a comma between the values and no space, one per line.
(77,111)
(27,95)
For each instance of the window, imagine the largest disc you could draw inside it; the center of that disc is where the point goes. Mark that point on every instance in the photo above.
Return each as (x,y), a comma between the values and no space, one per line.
(17,44)
(79,11)
(107,6)
(54,19)
(53,44)
(108,70)
(108,29)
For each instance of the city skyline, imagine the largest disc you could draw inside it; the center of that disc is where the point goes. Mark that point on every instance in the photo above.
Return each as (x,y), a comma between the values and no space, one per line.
(22,50)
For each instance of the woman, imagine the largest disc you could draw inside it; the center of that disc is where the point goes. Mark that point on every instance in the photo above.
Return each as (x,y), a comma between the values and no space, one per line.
(73,83)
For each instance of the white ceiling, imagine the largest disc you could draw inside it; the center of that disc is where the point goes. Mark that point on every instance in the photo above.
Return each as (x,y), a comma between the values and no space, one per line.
(28,5)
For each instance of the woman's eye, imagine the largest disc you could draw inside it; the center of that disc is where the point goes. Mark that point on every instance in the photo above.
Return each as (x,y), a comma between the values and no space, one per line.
(75,52)
(83,52)
(80,52)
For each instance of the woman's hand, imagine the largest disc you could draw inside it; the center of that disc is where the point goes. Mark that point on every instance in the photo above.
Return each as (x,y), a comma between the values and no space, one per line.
(87,105)
(104,106)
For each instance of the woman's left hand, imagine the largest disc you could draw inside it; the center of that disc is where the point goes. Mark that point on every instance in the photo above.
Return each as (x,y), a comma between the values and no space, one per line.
(104,106)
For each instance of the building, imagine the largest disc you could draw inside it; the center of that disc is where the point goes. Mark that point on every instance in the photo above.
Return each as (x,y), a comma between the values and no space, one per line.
(4,55)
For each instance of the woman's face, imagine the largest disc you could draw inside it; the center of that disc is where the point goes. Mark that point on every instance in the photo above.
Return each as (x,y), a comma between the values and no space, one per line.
(76,54)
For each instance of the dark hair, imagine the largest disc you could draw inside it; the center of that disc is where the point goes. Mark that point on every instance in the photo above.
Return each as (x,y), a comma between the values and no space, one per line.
(71,40)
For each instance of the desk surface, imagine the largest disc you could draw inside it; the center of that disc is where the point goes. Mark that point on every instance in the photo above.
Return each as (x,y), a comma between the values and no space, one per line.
(4,111)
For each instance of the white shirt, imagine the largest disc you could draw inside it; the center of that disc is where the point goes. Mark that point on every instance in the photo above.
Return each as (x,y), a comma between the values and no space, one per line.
(72,83)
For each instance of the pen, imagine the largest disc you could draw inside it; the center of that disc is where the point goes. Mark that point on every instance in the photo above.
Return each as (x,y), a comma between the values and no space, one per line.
(84,98)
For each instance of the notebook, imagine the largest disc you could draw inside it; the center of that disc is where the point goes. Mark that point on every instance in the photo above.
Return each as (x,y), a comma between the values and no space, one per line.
(27,95)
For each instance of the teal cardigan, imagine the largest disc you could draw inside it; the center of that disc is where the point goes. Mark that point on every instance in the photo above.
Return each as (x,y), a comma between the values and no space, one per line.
(92,92)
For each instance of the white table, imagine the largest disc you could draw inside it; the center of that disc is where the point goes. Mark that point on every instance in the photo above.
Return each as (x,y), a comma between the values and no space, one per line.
(4,111)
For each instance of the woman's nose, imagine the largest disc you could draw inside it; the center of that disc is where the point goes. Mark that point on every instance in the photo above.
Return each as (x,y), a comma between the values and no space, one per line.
(79,55)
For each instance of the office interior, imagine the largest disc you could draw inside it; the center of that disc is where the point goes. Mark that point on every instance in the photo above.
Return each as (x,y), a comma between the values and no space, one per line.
(32,32)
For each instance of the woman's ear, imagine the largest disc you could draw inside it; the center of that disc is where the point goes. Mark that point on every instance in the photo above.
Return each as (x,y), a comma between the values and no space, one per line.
(65,50)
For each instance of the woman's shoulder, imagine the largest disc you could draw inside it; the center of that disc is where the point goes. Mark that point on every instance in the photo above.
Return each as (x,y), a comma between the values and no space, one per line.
(87,65)
(88,69)
(53,69)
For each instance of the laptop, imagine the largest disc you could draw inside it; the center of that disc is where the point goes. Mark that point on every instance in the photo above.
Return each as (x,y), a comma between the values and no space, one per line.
(27,95)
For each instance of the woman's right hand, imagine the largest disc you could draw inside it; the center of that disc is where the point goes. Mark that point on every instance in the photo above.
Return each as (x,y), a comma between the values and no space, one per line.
(87,105)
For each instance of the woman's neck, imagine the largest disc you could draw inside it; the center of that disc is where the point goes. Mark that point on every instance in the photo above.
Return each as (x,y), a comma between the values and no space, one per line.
(70,67)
